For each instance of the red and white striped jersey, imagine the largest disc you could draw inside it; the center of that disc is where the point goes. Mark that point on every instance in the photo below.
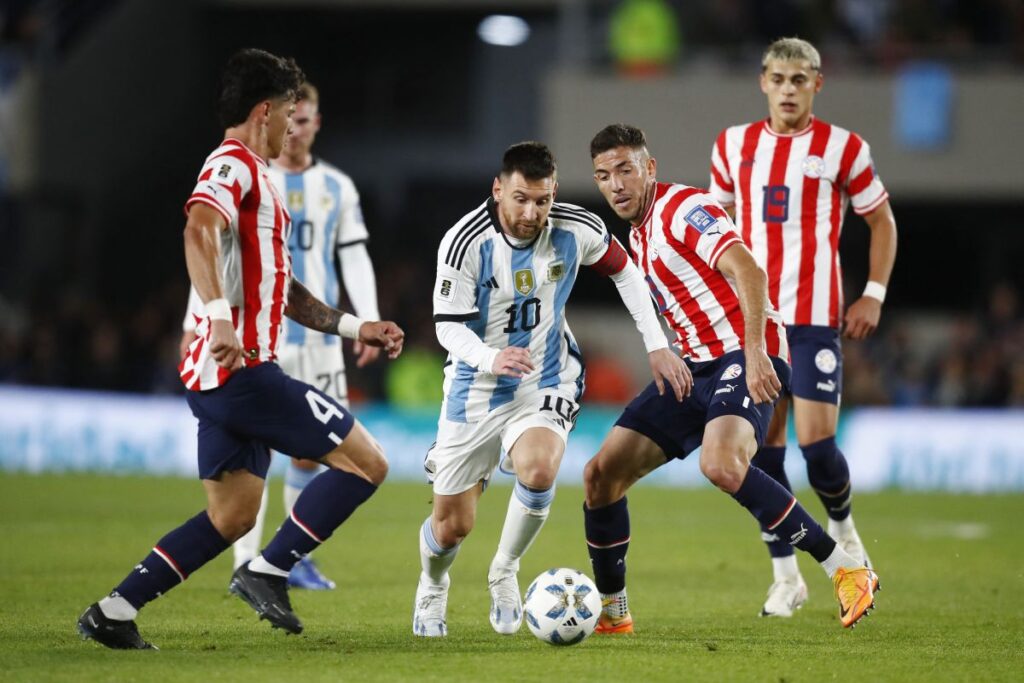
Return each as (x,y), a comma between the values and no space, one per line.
(790,193)
(677,246)
(254,255)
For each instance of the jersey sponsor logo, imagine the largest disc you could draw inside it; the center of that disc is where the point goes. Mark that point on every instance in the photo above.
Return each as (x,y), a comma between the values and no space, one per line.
(825,360)
(524,281)
(296,200)
(732,372)
(556,269)
(813,166)
(700,219)
(446,287)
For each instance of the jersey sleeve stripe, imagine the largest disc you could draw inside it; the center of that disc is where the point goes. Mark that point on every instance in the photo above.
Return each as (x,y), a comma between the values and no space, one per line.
(579,215)
(720,181)
(613,260)
(209,201)
(720,248)
(342,245)
(461,255)
(750,138)
(456,317)
(872,206)
(861,182)
(850,152)
(462,239)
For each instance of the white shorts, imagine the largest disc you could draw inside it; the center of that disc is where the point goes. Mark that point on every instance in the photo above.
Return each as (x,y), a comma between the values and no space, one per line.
(466,453)
(320,365)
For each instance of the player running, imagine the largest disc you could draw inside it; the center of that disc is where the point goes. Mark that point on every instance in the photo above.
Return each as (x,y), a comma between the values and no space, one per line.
(239,264)
(713,295)
(514,376)
(787,182)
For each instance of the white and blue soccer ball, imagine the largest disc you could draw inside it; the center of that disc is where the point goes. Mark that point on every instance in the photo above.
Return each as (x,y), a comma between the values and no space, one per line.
(562,606)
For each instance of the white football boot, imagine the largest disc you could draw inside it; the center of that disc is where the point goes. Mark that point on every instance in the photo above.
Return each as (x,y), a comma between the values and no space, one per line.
(429,610)
(506,605)
(785,597)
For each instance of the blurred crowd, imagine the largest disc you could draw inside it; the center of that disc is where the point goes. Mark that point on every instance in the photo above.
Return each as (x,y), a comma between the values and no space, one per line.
(915,359)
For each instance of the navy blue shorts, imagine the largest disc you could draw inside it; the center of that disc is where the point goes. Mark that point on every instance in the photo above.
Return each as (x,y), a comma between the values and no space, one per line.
(260,408)
(817,358)
(719,388)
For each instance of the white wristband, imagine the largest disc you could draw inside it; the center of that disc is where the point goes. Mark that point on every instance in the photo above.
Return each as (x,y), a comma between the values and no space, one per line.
(349,325)
(876,290)
(218,309)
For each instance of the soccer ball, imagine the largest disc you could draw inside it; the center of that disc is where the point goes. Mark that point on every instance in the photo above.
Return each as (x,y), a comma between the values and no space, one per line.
(562,606)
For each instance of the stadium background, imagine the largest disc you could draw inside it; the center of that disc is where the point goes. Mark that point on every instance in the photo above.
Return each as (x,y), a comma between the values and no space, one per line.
(106,111)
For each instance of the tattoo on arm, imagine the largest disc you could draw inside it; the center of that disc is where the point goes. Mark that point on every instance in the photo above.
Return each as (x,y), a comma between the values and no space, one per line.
(307,310)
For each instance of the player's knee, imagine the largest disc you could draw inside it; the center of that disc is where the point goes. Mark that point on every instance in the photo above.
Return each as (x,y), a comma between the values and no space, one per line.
(598,488)
(377,468)
(452,530)
(540,476)
(233,523)
(723,467)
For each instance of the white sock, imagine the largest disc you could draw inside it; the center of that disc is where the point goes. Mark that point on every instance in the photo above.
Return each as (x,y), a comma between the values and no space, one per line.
(527,512)
(617,606)
(434,559)
(785,568)
(261,566)
(842,527)
(248,547)
(118,608)
(839,559)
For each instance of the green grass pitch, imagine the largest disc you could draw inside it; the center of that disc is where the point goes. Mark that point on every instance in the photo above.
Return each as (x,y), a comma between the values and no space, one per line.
(951,608)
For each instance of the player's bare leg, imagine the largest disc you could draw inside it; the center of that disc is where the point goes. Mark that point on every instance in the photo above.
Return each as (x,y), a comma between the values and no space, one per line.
(355,469)
(536,456)
(450,521)
(788,590)
(623,459)
(728,445)
(247,547)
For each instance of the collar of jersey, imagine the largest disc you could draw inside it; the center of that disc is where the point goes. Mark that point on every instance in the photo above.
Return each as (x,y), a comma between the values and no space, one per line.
(246,148)
(803,131)
(492,213)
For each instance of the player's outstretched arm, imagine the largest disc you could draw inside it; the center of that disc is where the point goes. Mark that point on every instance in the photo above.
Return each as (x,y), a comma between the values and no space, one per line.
(307,310)
(863,314)
(202,257)
(752,289)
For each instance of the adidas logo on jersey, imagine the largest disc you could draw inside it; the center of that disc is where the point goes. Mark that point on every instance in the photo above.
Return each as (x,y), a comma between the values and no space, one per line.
(490,284)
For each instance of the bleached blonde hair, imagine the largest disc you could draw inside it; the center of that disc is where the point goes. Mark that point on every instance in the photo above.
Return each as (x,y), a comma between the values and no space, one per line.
(791,50)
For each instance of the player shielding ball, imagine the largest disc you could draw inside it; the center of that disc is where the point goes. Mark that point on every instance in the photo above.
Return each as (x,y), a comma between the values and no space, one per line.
(714,296)
(238,261)
(514,376)
(787,182)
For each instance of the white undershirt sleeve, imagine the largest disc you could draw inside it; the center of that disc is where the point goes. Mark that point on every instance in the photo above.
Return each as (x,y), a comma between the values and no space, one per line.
(637,297)
(463,344)
(360,281)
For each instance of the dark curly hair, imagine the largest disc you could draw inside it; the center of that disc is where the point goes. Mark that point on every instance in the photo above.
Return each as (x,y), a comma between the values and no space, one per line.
(251,76)
(533,160)
(617,135)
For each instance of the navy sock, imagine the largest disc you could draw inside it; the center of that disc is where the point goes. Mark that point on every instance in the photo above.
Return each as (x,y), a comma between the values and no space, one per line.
(829,476)
(771,460)
(607,530)
(323,505)
(174,557)
(778,510)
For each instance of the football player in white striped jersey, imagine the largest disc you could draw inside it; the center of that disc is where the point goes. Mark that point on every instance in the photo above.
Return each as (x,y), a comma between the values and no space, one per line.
(327,235)
(514,375)
(787,181)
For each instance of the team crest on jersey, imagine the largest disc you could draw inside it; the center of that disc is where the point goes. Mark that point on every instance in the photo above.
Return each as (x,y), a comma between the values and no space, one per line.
(556,270)
(296,200)
(813,166)
(524,281)
(700,219)
(825,360)
(732,372)
(445,288)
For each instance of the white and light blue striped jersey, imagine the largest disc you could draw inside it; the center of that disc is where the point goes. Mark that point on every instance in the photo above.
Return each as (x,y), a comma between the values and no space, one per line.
(324,206)
(511,295)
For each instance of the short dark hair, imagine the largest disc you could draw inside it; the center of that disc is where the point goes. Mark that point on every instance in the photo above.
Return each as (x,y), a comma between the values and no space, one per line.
(251,76)
(531,159)
(617,135)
